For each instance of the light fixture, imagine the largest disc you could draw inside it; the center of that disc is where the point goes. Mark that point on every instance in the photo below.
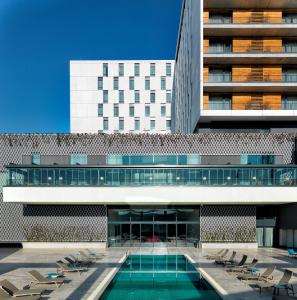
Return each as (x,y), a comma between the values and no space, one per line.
(49,178)
(204,178)
(151,178)
(60,178)
(177,178)
(101,178)
(228,178)
(254,178)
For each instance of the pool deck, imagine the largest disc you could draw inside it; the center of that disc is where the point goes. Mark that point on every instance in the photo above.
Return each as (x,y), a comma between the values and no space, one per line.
(15,264)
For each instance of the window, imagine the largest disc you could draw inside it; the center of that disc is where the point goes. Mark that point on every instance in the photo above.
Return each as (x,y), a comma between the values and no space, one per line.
(147,83)
(137,124)
(131,111)
(78,159)
(257,159)
(147,111)
(163,83)
(100,83)
(153,124)
(116,83)
(153,97)
(168,97)
(131,83)
(168,124)
(136,69)
(289,102)
(35,159)
(220,102)
(105,96)
(163,111)
(100,110)
(115,110)
(136,97)
(168,69)
(105,124)
(121,69)
(105,70)
(121,97)
(152,69)
(121,124)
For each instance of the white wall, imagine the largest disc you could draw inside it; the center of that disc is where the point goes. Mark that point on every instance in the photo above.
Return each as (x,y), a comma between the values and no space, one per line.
(85,96)
(150,195)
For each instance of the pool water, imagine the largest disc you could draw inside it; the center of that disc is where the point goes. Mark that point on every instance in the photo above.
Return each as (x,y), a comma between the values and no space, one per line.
(151,277)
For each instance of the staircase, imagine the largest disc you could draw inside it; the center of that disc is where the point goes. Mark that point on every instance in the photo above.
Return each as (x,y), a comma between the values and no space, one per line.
(256,102)
(257,17)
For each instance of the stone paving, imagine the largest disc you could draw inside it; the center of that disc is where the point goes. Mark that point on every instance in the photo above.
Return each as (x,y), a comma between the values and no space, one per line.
(15,264)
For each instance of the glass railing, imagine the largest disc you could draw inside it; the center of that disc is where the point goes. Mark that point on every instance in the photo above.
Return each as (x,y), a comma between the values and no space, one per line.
(254,19)
(153,176)
(251,49)
(219,77)
(256,77)
(289,104)
(219,105)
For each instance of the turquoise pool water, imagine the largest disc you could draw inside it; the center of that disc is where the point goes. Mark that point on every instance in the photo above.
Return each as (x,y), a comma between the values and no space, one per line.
(163,277)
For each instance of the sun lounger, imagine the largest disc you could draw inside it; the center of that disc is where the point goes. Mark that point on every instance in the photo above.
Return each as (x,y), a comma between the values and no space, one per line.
(40,279)
(6,296)
(282,284)
(215,255)
(292,253)
(12,290)
(75,263)
(224,261)
(64,268)
(241,263)
(245,268)
(86,258)
(93,254)
(265,276)
(220,256)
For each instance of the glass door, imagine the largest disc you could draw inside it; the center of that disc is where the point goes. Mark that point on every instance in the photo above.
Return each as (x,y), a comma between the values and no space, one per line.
(160,235)
(147,235)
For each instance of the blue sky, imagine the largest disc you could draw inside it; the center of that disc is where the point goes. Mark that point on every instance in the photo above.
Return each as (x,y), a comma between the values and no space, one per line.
(39,37)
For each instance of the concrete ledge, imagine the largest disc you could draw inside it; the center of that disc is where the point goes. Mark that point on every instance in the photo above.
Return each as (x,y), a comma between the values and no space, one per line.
(229,245)
(61,245)
(97,293)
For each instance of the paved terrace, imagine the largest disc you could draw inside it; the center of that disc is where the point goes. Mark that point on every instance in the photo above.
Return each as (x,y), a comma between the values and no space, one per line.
(15,264)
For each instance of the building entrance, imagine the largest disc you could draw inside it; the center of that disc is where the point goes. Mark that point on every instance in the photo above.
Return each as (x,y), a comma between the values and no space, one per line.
(153,227)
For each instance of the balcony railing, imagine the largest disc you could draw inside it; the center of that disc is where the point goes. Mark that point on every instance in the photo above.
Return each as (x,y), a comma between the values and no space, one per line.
(251,49)
(256,19)
(243,175)
(212,78)
(289,104)
(219,105)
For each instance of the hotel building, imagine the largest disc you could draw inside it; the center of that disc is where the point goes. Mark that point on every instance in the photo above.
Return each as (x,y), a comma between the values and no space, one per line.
(121,96)
(232,183)
(236,67)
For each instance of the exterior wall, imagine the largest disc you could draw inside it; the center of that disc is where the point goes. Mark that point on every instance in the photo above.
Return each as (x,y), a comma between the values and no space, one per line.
(85,96)
(16,148)
(228,223)
(255,55)
(187,85)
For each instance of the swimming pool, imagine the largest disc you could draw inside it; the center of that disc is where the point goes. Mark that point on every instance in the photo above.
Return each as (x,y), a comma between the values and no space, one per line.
(163,277)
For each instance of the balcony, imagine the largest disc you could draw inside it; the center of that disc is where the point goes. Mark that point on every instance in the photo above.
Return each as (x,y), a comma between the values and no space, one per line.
(226,54)
(151,185)
(269,27)
(254,82)
(243,175)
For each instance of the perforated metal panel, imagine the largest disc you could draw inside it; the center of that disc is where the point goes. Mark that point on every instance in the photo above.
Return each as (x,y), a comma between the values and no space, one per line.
(13,147)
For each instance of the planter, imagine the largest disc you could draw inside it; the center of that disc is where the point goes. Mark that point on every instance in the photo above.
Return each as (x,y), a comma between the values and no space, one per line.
(63,245)
(227,245)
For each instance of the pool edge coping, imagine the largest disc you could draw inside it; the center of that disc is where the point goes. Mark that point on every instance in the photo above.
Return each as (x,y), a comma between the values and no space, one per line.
(99,290)
(215,285)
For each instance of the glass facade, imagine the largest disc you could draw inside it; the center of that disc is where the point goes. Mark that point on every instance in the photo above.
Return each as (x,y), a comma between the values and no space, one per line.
(100,83)
(78,158)
(147,227)
(257,159)
(152,176)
